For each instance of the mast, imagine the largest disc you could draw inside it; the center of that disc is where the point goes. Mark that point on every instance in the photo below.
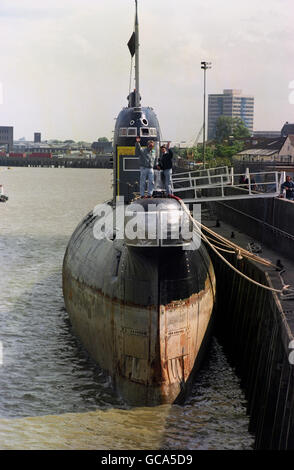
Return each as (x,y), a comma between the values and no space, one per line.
(137,100)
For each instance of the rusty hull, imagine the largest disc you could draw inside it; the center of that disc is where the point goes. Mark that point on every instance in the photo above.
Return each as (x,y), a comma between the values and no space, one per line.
(137,314)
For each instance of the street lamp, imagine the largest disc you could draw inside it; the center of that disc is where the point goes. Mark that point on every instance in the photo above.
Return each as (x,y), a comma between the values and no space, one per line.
(204,65)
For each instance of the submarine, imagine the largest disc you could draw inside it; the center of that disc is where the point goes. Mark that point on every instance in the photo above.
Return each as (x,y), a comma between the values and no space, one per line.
(140,298)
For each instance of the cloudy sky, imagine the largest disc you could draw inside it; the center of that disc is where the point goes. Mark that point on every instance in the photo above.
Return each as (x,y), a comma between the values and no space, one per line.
(65,65)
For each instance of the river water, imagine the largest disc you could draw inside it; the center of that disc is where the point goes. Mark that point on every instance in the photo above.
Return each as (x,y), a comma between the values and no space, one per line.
(52,395)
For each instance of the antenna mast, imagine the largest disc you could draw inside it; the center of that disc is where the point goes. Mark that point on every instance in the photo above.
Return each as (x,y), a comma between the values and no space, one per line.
(137,100)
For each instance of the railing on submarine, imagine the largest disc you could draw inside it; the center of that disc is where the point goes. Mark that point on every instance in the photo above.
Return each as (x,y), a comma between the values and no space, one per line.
(157,222)
(223,183)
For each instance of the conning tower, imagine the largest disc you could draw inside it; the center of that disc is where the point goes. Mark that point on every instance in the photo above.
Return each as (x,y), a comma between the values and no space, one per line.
(133,121)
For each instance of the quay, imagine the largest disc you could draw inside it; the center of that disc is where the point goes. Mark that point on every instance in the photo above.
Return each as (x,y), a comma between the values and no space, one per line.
(101,161)
(254,325)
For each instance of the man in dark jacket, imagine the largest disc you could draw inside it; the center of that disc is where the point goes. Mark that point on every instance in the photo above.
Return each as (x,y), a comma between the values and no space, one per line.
(288,185)
(166,165)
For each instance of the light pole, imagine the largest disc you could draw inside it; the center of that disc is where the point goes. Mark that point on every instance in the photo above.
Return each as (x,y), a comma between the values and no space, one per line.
(204,65)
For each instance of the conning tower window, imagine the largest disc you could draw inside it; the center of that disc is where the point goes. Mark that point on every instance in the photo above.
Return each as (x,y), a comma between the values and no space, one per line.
(132,131)
(128,132)
(148,132)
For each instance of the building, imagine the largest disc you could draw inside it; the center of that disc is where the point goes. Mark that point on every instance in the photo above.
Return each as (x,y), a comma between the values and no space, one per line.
(102,147)
(279,150)
(286,153)
(287,129)
(37,137)
(30,147)
(6,137)
(230,103)
(56,148)
(267,134)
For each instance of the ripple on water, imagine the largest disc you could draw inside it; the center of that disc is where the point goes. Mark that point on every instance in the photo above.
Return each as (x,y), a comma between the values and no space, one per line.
(214,415)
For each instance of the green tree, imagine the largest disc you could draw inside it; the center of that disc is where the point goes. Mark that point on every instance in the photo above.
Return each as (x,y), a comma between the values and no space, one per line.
(223,128)
(228,150)
(240,131)
(103,139)
(228,128)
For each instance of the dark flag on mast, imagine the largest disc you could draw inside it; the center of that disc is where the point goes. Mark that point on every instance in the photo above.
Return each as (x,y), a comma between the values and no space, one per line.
(132,44)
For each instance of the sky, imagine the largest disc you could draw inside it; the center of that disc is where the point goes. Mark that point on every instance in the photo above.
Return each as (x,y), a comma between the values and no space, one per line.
(65,64)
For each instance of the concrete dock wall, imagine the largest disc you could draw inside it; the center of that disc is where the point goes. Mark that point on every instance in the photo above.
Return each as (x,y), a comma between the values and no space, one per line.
(256,335)
(268,220)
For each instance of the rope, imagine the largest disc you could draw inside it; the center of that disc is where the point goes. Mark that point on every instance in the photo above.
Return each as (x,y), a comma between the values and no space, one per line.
(216,241)
(280,291)
(197,225)
(290,295)
(246,253)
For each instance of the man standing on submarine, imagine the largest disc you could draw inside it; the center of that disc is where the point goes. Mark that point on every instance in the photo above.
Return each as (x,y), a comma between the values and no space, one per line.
(288,185)
(165,164)
(147,161)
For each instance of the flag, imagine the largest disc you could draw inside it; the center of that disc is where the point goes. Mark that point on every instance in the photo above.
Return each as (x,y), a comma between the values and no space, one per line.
(132,44)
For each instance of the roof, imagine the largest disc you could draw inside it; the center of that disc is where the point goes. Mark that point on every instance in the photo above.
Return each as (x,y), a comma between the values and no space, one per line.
(258,151)
(287,129)
(266,144)
(277,143)
(267,147)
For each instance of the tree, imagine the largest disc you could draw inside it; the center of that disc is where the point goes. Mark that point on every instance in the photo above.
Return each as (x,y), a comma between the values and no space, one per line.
(223,130)
(103,139)
(228,127)
(227,151)
(240,130)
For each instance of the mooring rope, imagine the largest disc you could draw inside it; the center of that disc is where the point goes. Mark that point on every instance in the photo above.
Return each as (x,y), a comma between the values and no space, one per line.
(238,248)
(239,251)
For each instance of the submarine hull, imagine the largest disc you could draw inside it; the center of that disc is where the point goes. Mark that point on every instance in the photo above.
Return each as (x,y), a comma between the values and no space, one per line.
(144,315)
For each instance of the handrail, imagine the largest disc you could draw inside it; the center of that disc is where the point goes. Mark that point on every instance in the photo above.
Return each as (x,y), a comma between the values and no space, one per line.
(250,185)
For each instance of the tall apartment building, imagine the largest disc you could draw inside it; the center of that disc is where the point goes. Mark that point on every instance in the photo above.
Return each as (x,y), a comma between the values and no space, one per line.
(6,137)
(230,103)
(37,137)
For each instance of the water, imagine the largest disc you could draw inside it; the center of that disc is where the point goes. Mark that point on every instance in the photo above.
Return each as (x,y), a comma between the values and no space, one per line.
(52,395)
